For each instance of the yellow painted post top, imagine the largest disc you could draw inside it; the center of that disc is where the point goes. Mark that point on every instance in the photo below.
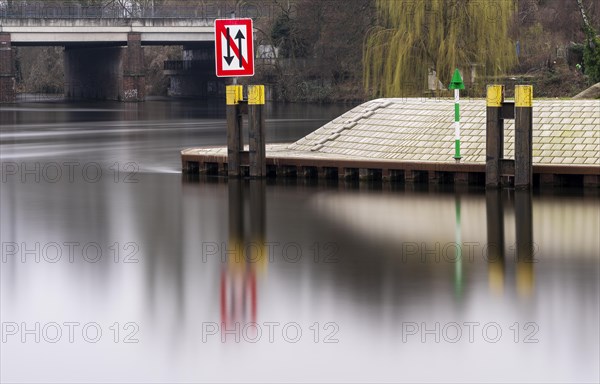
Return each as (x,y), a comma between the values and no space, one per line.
(254,254)
(495,95)
(235,258)
(496,276)
(525,278)
(256,95)
(234,94)
(524,96)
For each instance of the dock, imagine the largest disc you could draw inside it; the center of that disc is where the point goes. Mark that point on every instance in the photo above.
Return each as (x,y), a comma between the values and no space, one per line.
(412,141)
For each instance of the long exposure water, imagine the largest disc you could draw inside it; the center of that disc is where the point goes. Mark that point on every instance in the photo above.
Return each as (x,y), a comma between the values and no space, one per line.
(118,268)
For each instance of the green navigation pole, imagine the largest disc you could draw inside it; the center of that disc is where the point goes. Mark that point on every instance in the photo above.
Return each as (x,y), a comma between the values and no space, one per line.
(457,84)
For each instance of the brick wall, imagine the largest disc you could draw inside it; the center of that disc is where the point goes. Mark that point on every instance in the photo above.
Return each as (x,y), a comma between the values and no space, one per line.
(134,79)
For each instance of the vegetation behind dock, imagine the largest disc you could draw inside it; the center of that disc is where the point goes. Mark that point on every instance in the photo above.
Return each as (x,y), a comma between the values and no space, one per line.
(320,45)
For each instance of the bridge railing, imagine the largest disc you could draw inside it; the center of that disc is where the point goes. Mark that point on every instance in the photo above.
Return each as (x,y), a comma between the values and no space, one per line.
(127,9)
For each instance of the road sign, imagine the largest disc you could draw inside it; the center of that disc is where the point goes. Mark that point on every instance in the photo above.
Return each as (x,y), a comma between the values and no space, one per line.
(234,47)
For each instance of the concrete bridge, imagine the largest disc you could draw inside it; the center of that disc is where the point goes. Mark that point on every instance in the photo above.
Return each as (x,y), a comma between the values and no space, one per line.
(103,54)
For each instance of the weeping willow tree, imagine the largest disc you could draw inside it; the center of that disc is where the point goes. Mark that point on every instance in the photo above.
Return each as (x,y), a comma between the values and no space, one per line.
(415,37)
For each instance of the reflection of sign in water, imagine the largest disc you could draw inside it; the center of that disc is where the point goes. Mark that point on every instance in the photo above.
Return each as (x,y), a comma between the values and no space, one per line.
(238,290)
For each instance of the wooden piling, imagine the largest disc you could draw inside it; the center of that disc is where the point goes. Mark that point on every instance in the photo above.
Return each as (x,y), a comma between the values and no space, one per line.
(461,178)
(523,136)
(434,177)
(365,174)
(548,180)
(494,135)
(235,141)
(256,119)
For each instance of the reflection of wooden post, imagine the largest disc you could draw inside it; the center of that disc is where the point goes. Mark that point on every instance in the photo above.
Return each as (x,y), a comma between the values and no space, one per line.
(256,118)
(257,210)
(494,135)
(246,256)
(230,302)
(523,136)
(235,141)
(524,251)
(495,239)
(236,218)
(258,226)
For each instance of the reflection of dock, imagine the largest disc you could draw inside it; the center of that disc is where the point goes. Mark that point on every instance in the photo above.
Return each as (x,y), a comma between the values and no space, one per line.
(412,141)
(404,222)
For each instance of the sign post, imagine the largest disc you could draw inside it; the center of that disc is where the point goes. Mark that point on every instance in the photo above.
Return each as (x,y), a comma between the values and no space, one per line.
(457,84)
(234,57)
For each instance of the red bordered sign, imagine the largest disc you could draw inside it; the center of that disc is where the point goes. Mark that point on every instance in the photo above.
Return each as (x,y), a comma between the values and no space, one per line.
(234,47)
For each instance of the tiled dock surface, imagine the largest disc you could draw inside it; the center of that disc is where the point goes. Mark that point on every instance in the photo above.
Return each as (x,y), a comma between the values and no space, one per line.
(417,134)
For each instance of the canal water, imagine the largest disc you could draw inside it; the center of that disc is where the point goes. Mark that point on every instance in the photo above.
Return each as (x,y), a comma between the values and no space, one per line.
(117,268)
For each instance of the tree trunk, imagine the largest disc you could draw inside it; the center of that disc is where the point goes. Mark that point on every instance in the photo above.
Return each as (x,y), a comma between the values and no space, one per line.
(588,27)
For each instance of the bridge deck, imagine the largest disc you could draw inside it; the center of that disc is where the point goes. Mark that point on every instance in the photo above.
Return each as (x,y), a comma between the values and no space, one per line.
(76,31)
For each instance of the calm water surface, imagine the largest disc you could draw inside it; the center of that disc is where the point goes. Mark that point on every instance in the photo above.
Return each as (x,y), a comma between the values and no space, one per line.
(118,268)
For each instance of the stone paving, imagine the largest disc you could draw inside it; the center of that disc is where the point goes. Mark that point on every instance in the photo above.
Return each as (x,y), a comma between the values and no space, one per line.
(564,132)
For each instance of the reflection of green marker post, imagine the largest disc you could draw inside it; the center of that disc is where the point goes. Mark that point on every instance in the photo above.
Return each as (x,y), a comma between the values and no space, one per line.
(456,84)
(458,283)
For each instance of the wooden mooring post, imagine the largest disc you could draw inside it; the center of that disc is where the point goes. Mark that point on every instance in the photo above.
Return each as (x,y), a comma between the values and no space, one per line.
(256,128)
(236,107)
(523,136)
(498,110)
(235,140)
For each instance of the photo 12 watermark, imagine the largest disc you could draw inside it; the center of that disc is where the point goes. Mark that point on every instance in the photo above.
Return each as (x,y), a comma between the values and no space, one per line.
(71,332)
(69,252)
(68,171)
(270,332)
(271,252)
(469,332)
(469,252)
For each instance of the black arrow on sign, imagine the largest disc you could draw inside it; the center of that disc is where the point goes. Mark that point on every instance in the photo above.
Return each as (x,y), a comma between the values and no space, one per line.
(228,58)
(239,37)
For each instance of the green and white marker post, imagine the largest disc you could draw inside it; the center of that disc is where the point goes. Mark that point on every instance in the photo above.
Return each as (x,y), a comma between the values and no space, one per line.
(457,84)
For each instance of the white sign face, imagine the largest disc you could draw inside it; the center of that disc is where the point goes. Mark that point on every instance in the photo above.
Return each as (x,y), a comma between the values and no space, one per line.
(234,47)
